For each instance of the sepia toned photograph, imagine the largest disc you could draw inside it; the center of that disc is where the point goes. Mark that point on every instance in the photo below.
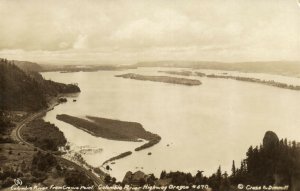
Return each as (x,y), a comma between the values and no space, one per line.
(149,95)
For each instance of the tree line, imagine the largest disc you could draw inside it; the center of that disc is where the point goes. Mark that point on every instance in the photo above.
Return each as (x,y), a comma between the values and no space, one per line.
(275,162)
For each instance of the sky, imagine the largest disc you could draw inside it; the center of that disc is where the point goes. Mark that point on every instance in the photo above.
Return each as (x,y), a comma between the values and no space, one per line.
(128,31)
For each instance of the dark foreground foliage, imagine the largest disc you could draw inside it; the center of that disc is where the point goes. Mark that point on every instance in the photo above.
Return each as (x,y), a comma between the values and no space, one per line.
(275,162)
(43,161)
(27,91)
(75,178)
(4,123)
(46,135)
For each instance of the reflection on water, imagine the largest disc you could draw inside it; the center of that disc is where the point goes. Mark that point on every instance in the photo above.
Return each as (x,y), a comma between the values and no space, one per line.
(201,127)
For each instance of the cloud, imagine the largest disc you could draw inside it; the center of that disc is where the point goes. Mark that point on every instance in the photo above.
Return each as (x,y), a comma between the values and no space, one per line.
(80,42)
(192,29)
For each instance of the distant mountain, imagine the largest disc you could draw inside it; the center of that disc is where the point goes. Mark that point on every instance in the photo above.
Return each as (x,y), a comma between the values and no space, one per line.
(28,66)
(288,68)
(27,91)
(83,68)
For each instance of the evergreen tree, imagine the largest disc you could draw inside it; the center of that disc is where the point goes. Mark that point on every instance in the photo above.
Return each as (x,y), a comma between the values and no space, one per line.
(225,184)
(163,174)
(233,169)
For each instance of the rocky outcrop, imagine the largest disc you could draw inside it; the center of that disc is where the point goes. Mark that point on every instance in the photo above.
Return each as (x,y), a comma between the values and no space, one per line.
(135,178)
(270,140)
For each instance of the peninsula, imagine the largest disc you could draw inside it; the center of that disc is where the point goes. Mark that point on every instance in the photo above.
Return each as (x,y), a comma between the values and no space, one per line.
(164,79)
(113,129)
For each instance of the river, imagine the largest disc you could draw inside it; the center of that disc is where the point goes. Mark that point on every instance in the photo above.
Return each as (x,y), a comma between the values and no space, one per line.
(201,127)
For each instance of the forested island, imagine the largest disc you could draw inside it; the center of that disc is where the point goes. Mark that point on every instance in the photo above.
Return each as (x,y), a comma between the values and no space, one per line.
(113,129)
(181,73)
(238,78)
(255,80)
(164,79)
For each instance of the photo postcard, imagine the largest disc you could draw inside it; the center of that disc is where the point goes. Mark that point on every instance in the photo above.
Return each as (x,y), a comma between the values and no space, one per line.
(140,95)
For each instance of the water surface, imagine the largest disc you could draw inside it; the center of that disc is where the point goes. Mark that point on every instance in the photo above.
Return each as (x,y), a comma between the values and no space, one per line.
(205,126)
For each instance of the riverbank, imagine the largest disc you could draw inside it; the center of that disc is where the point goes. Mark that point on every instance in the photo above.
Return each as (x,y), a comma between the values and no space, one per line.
(164,79)
(38,165)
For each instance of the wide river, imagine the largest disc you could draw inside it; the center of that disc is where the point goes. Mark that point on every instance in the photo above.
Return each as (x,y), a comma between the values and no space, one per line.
(201,127)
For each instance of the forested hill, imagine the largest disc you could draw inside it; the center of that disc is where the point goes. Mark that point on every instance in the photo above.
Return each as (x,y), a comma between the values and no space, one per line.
(27,91)
(28,66)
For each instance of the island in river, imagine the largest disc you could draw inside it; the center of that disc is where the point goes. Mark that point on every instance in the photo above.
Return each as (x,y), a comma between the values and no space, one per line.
(165,79)
(238,78)
(181,73)
(255,80)
(113,129)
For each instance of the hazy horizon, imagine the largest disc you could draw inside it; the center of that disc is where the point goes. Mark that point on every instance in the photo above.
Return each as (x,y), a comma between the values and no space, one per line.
(107,63)
(93,32)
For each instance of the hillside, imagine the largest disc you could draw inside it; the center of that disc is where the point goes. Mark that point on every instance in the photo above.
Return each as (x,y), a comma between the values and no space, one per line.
(28,66)
(18,91)
(27,91)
